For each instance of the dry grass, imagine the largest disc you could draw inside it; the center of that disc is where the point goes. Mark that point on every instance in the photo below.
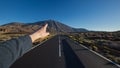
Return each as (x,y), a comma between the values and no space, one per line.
(4,37)
(41,40)
(7,36)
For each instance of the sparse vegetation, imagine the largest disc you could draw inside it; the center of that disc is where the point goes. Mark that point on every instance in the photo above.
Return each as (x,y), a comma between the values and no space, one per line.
(41,40)
(7,36)
(105,43)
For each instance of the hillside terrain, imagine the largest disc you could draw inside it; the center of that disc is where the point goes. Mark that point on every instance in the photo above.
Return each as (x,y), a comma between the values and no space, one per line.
(53,27)
(16,29)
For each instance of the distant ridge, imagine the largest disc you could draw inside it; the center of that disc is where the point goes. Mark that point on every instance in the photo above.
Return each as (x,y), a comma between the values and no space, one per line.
(53,27)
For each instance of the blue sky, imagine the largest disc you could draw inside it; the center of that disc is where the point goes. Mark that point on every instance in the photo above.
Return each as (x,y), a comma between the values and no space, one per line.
(99,15)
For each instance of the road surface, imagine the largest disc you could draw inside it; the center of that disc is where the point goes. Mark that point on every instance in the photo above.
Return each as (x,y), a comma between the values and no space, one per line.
(61,52)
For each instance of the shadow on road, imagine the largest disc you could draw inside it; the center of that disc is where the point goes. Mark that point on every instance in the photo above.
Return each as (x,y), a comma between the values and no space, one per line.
(71,59)
(109,63)
(80,49)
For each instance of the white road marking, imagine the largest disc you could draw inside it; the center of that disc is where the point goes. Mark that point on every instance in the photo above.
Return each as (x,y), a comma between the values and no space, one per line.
(100,55)
(59,48)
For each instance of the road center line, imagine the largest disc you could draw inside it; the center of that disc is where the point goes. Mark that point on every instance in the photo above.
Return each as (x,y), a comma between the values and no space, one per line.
(59,48)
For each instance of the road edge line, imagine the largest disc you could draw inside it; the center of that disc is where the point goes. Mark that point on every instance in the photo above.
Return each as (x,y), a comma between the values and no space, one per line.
(98,54)
(101,55)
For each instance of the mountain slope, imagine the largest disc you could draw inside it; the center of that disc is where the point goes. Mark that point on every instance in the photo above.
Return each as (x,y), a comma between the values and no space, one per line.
(53,27)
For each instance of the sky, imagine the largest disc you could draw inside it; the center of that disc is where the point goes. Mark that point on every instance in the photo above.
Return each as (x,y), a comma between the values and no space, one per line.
(98,15)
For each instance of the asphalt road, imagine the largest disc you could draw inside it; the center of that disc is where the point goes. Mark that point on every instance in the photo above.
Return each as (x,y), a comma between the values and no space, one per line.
(61,52)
